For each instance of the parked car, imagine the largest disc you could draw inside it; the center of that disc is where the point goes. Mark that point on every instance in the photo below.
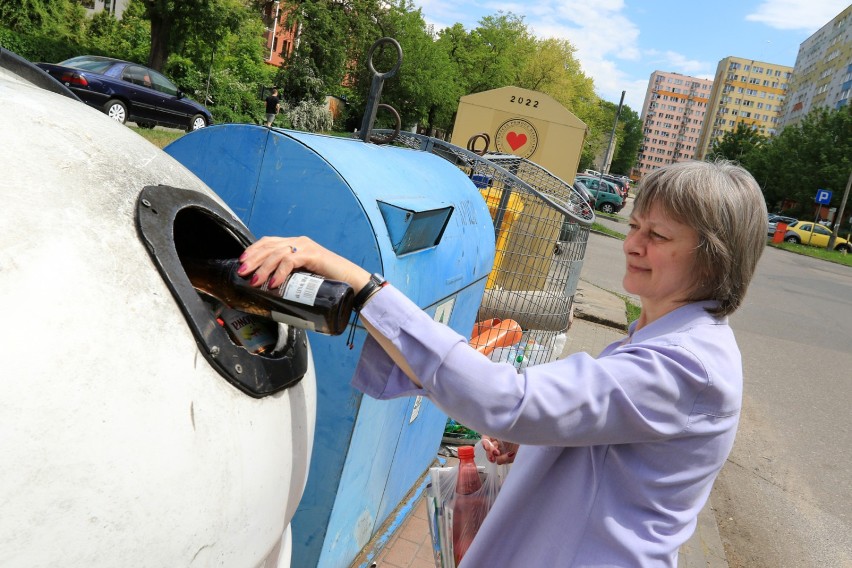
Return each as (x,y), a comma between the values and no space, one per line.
(129,91)
(814,234)
(607,197)
(775,219)
(584,191)
(623,186)
(591,172)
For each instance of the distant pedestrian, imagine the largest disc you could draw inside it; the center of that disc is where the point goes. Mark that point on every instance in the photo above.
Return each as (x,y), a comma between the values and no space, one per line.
(273,106)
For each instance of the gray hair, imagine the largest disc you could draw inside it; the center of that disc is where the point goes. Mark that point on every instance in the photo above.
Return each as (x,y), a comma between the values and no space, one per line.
(724,204)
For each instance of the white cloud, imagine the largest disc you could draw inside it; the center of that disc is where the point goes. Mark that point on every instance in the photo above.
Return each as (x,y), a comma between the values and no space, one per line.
(807,15)
(678,63)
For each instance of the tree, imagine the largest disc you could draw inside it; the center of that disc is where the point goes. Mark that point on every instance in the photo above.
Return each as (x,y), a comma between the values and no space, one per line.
(814,154)
(496,49)
(736,145)
(173,22)
(223,61)
(426,89)
(42,16)
(128,38)
(334,38)
(629,139)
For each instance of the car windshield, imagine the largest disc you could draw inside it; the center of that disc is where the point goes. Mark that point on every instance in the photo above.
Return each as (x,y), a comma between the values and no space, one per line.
(88,64)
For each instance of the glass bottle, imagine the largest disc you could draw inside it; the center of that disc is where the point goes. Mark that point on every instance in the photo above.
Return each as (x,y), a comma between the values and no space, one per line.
(468,503)
(256,334)
(303,300)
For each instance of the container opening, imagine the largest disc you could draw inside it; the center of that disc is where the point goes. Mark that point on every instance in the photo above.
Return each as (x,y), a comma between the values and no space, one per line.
(199,237)
(178,225)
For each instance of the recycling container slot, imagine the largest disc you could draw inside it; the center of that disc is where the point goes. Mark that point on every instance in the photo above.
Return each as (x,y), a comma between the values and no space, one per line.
(178,224)
(411,227)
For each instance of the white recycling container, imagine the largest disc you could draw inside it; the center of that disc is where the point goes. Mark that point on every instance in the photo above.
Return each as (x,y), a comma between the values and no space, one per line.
(133,432)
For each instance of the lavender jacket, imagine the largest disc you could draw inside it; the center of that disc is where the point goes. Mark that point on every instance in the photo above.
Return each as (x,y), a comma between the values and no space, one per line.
(619,452)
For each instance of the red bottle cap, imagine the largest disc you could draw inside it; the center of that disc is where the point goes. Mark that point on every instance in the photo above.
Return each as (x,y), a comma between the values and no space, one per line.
(465,452)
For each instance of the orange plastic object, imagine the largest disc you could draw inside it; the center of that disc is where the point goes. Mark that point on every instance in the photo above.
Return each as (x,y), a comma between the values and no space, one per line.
(488,335)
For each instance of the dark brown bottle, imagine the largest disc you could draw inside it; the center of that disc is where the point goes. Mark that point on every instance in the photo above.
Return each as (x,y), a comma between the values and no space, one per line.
(303,300)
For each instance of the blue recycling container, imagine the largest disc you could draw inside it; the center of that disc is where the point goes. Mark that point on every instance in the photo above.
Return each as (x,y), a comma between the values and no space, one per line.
(410,215)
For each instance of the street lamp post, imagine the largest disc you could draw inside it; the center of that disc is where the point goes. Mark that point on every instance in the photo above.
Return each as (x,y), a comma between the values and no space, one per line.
(838,217)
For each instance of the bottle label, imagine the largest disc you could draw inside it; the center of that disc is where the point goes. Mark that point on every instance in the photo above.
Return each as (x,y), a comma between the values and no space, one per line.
(248,330)
(294,321)
(302,288)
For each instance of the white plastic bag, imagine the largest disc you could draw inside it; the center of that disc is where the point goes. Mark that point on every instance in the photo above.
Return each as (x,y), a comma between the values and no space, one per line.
(440,495)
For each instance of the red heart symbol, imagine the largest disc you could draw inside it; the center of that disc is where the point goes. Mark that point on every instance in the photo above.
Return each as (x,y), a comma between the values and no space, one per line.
(516,140)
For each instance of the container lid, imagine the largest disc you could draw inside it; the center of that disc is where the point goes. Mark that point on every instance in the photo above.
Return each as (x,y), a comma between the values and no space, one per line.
(465,452)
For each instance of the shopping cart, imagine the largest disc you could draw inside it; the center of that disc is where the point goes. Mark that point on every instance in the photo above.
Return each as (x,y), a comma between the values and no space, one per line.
(541,227)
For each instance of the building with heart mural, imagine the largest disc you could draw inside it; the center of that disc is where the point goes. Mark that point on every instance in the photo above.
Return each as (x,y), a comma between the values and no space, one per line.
(525,123)
(516,136)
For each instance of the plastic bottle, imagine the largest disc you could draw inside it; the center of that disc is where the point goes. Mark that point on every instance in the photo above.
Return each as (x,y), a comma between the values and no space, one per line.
(468,506)
(558,347)
(303,300)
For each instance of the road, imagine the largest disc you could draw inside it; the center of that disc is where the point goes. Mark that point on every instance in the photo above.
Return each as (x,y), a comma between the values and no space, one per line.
(784,499)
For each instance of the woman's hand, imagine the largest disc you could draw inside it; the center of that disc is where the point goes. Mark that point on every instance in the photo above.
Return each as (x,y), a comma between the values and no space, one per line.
(497,451)
(274,258)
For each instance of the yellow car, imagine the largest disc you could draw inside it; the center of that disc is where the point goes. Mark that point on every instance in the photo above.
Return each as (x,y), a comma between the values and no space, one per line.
(814,234)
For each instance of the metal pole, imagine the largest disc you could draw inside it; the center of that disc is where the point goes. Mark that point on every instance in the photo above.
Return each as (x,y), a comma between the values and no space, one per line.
(209,73)
(838,217)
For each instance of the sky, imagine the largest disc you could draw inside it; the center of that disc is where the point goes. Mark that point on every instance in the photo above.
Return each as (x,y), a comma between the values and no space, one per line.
(621,42)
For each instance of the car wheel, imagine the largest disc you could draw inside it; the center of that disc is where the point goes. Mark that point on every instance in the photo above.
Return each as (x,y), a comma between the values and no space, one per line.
(792,239)
(198,121)
(116,110)
(843,248)
(608,208)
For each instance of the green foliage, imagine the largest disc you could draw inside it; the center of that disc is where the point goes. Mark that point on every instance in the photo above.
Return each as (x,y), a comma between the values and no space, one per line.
(213,50)
(737,145)
(813,154)
(172,21)
(128,38)
(309,117)
(630,137)
(39,47)
(159,138)
(834,256)
(42,30)
(46,17)
(225,67)
(334,36)
(424,86)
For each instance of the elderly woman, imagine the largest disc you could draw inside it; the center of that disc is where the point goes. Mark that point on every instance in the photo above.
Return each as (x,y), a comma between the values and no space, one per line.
(618,452)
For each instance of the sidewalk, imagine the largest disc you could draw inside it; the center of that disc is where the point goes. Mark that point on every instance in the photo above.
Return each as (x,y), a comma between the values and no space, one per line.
(599,319)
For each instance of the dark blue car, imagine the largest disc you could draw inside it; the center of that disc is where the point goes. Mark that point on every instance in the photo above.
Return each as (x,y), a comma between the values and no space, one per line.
(129,91)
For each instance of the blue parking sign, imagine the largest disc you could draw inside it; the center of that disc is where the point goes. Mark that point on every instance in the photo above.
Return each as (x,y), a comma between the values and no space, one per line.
(823,196)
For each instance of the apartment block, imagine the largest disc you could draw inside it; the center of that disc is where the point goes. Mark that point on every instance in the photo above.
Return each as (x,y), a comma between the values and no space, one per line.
(114,7)
(744,91)
(279,36)
(822,76)
(672,115)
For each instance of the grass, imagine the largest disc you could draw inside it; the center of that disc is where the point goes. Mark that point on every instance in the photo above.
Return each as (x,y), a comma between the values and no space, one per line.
(633,310)
(159,138)
(816,252)
(598,228)
(611,216)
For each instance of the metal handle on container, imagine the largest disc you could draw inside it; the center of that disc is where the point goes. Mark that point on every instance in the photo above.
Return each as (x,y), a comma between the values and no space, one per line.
(376,88)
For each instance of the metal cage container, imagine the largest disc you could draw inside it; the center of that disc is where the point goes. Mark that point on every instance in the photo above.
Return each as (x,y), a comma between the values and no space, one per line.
(541,226)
